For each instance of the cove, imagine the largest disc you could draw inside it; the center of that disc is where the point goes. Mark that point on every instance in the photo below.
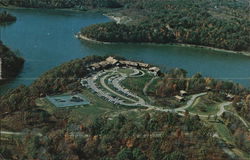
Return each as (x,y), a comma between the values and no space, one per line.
(45,38)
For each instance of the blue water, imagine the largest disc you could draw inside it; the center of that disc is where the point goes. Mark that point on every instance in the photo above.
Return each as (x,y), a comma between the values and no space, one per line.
(45,38)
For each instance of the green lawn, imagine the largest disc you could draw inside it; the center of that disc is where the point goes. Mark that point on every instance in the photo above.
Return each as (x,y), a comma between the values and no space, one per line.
(201,107)
(115,89)
(98,106)
(152,87)
(136,84)
(224,133)
(125,70)
(227,136)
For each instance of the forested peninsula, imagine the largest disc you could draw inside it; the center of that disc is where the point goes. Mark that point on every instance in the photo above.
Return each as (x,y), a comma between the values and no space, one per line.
(5,17)
(11,63)
(217,24)
(223,24)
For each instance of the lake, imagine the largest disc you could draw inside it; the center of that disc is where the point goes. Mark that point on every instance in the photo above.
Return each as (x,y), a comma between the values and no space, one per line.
(45,38)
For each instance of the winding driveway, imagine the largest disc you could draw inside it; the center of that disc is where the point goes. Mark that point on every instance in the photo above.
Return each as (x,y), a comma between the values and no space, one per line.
(141,102)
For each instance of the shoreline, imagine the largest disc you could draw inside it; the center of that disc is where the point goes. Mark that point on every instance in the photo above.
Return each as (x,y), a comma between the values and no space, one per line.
(82,37)
(54,9)
(79,36)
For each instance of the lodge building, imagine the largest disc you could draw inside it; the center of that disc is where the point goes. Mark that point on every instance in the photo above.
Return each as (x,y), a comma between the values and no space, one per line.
(111,62)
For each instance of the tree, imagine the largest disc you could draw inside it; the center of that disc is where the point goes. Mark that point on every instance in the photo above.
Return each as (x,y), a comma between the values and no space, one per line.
(125,154)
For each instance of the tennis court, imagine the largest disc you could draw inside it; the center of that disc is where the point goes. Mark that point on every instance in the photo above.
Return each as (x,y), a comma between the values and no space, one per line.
(68,100)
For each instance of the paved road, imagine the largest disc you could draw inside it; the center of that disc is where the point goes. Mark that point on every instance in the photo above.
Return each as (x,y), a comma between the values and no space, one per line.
(116,83)
(17,133)
(102,80)
(136,73)
(219,113)
(180,109)
(11,133)
(120,77)
(190,102)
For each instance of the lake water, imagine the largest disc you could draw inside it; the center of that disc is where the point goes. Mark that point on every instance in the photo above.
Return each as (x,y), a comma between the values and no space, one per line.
(45,38)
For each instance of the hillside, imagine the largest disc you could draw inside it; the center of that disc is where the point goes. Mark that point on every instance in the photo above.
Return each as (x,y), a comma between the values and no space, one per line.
(127,129)
(11,63)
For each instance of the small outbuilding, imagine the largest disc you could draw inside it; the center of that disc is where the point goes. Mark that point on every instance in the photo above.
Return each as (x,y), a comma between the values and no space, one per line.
(208,88)
(112,60)
(143,65)
(155,70)
(230,96)
(95,66)
(180,98)
(183,93)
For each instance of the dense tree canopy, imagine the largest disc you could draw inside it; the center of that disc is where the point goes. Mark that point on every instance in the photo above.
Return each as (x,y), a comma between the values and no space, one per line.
(11,63)
(205,23)
(5,17)
(80,4)
(154,135)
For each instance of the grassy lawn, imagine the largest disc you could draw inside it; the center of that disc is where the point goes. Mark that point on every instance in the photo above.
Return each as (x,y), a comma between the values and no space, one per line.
(227,136)
(201,106)
(152,86)
(136,84)
(115,89)
(97,107)
(99,85)
(125,70)
(224,133)
(79,114)
(46,105)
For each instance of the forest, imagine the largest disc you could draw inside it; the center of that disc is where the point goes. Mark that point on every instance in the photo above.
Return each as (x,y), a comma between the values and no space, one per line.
(11,63)
(223,24)
(77,4)
(205,23)
(5,17)
(154,135)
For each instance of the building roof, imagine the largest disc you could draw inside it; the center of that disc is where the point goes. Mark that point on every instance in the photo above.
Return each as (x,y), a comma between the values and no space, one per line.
(111,60)
(183,92)
(230,96)
(179,97)
(129,63)
(154,69)
(145,65)
(104,63)
(96,65)
(208,88)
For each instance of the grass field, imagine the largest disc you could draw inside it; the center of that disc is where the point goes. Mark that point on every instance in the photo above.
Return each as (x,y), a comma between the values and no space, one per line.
(115,89)
(98,106)
(125,70)
(204,107)
(136,84)
(224,133)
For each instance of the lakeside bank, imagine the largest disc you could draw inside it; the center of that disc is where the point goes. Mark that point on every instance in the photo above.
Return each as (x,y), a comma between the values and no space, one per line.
(82,37)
